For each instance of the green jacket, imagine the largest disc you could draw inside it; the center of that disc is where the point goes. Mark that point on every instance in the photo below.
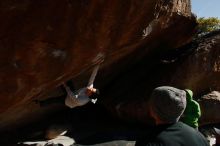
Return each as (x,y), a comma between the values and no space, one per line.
(192,112)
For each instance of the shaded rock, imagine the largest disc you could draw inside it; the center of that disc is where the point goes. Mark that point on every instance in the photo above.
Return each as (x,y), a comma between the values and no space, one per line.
(200,70)
(210,104)
(87,125)
(194,66)
(55,130)
(43,43)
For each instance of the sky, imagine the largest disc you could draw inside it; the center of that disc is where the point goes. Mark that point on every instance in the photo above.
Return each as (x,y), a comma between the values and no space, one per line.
(206,8)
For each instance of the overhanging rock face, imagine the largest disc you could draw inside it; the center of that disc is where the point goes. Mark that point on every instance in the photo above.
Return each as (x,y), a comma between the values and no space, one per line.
(43,43)
(195,66)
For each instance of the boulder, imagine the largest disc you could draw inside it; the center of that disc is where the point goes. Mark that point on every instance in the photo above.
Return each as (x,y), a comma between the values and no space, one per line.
(210,104)
(45,43)
(194,66)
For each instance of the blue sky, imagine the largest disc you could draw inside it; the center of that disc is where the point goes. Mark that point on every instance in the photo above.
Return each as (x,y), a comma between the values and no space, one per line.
(206,8)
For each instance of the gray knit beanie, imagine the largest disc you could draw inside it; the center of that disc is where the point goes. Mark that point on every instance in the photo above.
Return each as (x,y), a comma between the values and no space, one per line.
(168,103)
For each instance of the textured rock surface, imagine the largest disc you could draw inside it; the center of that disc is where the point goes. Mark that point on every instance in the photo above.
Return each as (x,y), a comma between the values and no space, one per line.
(43,43)
(210,104)
(201,70)
(194,66)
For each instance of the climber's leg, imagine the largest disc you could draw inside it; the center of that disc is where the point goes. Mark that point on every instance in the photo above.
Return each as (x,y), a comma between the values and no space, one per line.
(52,101)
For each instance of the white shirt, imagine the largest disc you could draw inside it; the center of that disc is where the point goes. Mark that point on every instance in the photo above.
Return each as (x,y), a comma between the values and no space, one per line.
(78,99)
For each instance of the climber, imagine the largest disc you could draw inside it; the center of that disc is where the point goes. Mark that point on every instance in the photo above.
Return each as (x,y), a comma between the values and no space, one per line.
(192,112)
(81,96)
(84,95)
(72,98)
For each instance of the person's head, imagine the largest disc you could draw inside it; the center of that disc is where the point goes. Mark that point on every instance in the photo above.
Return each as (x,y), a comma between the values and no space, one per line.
(167,104)
(92,92)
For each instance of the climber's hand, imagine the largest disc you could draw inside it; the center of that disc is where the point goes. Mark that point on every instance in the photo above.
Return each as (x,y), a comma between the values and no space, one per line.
(90,91)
